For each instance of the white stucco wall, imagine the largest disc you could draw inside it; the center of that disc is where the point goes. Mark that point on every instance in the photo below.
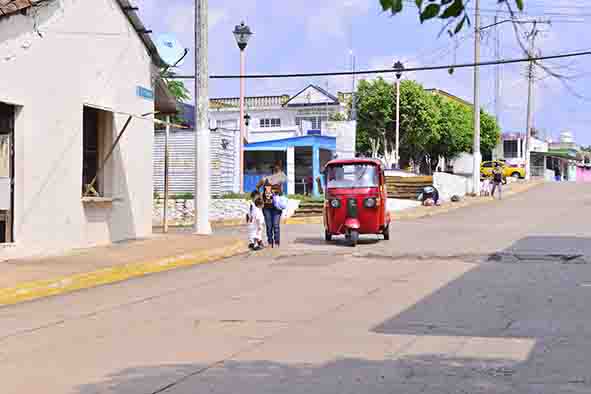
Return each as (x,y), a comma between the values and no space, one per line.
(89,54)
(450,185)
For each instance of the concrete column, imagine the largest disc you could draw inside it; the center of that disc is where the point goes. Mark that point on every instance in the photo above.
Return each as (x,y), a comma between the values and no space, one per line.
(519,150)
(315,169)
(291,170)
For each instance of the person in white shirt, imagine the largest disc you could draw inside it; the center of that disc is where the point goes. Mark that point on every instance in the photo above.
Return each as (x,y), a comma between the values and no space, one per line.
(256,223)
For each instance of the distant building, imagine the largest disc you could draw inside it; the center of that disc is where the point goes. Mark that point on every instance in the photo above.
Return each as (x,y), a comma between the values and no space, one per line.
(294,130)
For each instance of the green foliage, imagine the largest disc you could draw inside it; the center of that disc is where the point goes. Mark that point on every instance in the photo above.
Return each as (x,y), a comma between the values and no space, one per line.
(338,117)
(375,111)
(233,196)
(182,196)
(419,121)
(178,90)
(453,11)
(489,132)
(430,125)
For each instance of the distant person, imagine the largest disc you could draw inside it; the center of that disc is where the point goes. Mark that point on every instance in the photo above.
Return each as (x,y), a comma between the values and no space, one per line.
(557,174)
(497,181)
(272,186)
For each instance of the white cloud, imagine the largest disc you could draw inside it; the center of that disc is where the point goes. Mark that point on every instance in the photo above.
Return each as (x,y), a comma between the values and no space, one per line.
(333,18)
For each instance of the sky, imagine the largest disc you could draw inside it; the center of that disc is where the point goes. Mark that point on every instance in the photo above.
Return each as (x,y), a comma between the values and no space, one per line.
(295,36)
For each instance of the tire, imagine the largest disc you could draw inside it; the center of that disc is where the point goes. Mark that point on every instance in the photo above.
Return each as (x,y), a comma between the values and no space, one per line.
(516,175)
(327,236)
(386,233)
(354,237)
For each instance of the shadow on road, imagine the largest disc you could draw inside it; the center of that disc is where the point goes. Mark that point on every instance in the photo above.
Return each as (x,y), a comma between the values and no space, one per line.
(406,375)
(339,241)
(519,328)
(545,300)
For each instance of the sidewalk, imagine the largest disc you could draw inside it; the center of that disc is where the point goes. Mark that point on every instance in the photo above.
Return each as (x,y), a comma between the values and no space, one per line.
(31,278)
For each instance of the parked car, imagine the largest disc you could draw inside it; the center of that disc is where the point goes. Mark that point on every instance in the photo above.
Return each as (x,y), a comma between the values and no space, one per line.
(508,170)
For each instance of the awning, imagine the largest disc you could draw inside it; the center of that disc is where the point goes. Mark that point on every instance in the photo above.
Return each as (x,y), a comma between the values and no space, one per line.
(145,117)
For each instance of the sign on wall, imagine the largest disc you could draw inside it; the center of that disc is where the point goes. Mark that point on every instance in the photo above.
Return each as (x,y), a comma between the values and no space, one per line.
(145,93)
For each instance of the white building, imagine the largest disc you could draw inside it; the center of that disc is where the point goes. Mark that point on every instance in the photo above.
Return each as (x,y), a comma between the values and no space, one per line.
(74,75)
(295,130)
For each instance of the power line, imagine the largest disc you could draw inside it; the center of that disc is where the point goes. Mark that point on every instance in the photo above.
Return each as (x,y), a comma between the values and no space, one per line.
(389,71)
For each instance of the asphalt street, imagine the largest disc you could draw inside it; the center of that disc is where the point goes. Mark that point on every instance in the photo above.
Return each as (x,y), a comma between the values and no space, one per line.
(491,298)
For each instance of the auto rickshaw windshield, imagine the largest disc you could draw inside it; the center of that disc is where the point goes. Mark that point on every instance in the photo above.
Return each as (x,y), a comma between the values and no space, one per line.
(352,176)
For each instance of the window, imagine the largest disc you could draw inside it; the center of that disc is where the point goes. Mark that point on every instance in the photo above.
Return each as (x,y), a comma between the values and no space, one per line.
(315,120)
(510,149)
(353,176)
(230,125)
(487,165)
(97,137)
(270,122)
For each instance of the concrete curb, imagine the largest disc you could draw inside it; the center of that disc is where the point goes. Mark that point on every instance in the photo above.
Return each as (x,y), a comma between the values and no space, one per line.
(28,291)
(422,212)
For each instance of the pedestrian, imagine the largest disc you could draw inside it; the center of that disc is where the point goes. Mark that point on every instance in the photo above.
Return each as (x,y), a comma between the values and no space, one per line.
(497,182)
(272,186)
(256,225)
(256,222)
(557,174)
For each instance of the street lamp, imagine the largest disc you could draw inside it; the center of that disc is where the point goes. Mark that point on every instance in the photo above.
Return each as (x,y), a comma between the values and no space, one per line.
(242,34)
(399,67)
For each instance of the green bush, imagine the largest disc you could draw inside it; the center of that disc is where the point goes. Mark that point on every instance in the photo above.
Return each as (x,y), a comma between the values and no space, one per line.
(182,196)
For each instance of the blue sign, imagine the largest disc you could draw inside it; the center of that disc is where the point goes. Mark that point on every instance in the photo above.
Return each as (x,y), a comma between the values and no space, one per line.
(145,93)
(314,132)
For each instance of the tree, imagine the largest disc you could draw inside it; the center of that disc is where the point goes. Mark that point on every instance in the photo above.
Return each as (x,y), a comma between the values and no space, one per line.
(489,132)
(375,112)
(178,90)
(455,129)
(453,11)
(419,123)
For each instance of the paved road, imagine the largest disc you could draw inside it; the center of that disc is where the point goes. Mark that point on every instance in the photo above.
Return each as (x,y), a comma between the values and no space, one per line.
(488,299)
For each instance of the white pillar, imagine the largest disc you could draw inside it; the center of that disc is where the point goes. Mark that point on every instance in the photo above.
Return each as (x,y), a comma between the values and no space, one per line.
(519,150)
(202,140)
(291,170)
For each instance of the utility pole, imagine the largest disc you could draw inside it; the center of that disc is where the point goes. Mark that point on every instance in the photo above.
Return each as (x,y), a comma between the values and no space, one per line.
(530,88)
(476,146)
(166,165)
(201,195)
(497,73)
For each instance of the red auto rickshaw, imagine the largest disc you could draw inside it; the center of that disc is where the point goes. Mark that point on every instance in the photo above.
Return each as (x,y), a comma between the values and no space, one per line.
(355,199)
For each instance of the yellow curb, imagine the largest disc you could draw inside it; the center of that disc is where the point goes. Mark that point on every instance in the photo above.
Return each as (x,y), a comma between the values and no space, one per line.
(307,220)
(28,291)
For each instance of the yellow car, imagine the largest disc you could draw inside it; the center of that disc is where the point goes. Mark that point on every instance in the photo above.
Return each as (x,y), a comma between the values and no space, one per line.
(508,170)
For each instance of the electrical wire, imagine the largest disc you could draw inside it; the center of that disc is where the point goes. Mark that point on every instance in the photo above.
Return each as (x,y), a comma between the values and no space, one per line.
(389,71)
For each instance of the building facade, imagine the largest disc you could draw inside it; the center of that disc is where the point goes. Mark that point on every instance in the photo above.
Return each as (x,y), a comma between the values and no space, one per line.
(68,98)
(294,130)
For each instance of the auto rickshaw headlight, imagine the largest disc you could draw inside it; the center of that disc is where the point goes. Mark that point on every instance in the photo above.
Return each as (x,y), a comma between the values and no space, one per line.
(370,203)
(335,203)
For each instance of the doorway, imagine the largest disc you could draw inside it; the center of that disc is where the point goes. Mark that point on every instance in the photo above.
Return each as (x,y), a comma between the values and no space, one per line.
(7,114)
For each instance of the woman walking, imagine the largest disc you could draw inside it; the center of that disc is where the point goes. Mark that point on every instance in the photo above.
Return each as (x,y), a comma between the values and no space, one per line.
(497,174)
(272,186)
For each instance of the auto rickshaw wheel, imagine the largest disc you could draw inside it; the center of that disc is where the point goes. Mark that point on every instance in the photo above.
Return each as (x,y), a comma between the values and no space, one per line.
(386,233)
(353,237)
(327,236)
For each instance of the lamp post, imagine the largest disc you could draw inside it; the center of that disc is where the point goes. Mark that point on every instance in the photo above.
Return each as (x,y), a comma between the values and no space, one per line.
(399,67)
(242,34)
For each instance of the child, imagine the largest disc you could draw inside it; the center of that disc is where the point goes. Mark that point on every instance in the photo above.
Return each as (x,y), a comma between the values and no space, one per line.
(256,224)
